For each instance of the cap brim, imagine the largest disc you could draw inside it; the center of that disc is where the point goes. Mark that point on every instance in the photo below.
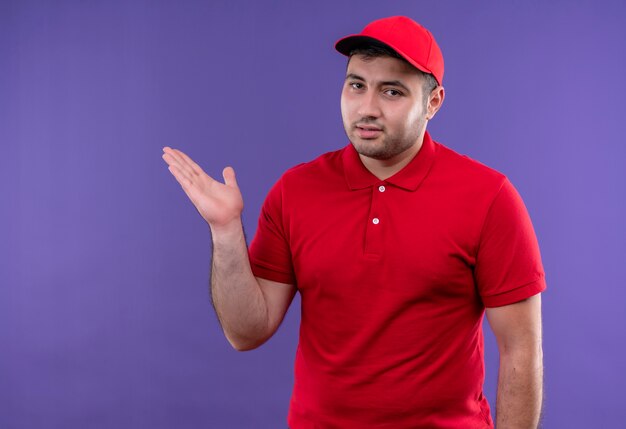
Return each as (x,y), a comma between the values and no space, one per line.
(347,44)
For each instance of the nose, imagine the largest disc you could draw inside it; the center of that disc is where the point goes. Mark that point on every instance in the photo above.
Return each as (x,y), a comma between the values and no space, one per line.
(369,106)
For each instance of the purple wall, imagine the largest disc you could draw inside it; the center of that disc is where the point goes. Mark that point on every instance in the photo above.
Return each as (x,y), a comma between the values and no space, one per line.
(105,320)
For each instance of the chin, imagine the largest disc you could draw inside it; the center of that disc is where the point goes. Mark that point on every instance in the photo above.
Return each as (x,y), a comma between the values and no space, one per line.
(370,152)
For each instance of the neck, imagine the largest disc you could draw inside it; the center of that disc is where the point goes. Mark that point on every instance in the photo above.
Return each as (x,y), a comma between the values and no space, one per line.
(385,168)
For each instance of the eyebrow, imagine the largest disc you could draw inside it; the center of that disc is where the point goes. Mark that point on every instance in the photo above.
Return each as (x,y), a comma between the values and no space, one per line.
(387,82)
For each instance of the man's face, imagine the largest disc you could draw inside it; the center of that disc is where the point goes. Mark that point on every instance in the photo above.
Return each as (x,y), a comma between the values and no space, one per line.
(382,107)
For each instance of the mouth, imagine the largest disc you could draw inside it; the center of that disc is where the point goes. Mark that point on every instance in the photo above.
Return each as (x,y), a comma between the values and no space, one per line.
(368,132)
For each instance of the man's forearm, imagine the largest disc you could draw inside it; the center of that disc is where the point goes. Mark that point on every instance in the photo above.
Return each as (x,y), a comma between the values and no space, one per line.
(236,295)
(520,390)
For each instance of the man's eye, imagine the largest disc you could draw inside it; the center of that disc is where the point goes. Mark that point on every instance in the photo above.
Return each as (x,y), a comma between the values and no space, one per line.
(356,85)
(393,92)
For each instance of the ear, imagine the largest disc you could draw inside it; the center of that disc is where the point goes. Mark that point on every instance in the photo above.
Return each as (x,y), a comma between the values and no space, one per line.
(435,100)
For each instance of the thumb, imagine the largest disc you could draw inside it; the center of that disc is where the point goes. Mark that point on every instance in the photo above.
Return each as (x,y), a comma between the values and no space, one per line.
(229,177)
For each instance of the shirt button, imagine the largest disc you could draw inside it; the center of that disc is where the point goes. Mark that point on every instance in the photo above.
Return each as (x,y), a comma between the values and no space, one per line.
(375,221)
(381,188)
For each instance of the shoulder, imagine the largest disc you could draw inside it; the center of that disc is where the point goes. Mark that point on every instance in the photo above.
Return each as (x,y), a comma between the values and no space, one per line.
(327,167)
(468,185)
(303,181)
(466,174)
(465,167)
(317,165)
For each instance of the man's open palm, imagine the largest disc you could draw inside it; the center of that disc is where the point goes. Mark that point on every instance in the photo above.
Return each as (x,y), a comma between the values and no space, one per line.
(218,203)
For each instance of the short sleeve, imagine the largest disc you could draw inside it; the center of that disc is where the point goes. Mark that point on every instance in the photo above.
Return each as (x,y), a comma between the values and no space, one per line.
(508,263)
(270,256)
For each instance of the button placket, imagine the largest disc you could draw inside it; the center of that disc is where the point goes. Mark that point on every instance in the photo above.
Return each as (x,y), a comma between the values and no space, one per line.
(375,223)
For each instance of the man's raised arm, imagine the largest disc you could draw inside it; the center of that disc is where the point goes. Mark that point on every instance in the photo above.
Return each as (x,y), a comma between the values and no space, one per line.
(249,309)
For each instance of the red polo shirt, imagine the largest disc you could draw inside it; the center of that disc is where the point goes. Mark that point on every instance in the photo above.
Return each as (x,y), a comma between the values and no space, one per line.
(394,276)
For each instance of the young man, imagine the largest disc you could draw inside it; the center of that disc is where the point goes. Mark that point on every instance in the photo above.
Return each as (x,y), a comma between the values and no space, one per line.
(398,246)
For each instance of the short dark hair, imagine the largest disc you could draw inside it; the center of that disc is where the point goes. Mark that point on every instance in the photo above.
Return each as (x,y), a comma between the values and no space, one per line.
(379,50)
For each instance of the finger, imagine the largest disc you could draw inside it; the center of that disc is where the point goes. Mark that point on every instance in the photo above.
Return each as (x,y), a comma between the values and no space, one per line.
(172,161)
(182,162)
(195,167)
(187,185)
(229,177)
(180,178)
(170,157)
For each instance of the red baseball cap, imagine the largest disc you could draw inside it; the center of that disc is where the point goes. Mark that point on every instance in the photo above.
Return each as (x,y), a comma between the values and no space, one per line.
(410,40)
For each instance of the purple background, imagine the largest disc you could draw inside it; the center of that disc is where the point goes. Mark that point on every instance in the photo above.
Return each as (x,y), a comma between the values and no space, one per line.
(105,320)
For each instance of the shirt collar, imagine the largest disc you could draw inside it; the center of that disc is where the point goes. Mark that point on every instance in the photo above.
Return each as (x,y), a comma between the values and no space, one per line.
(409,178)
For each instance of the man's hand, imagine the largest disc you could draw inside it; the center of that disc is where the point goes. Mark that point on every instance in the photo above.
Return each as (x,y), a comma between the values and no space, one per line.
(218,203)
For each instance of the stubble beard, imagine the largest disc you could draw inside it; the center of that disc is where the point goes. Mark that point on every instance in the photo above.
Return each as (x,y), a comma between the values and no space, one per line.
(390,146)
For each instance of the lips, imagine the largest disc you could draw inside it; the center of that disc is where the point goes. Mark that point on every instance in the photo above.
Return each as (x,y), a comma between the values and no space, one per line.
(368,127)
(368,131)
